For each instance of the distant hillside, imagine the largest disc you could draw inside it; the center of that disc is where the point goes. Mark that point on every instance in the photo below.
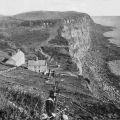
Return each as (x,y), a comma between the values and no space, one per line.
(43,15)
(2,16)
(5,18)
(8,21)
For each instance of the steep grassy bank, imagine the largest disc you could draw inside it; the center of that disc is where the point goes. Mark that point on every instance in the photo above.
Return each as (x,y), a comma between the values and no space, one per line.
(20,102)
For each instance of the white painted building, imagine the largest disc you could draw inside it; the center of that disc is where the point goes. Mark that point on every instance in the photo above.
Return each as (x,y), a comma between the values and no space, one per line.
(38,66)
(18,59)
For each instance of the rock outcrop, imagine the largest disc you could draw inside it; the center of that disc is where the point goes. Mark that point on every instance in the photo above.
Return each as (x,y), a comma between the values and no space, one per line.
(78,36)
(85,50)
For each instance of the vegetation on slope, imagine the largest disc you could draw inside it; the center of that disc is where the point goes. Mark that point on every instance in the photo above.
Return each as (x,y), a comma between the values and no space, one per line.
(21,103)
(60,54)
(58,40)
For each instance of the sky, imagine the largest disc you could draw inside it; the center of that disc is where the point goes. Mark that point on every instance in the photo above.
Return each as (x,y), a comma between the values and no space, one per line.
(92,7)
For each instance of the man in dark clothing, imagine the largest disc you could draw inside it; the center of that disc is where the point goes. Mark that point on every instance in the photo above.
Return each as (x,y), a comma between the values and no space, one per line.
(50,105)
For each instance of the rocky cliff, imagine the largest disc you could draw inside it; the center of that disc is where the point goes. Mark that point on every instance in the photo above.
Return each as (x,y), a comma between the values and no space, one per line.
(78,35)
(85,47)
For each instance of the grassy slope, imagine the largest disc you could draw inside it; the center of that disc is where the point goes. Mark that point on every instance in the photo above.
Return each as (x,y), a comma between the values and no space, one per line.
(43,15)
(73,93)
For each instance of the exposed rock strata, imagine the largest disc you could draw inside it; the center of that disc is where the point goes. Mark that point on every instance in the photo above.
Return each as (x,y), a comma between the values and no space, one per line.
(88,57)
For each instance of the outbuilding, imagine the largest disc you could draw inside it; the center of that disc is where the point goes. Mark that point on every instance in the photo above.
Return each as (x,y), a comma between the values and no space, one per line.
(17,59)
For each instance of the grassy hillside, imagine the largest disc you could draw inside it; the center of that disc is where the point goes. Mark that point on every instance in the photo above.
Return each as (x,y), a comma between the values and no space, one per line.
(43,15)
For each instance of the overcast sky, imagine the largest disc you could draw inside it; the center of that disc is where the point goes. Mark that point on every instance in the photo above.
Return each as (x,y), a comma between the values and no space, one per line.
(92,7)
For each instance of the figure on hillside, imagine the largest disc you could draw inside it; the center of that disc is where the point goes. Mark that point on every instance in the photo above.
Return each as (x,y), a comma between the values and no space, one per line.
(50,105)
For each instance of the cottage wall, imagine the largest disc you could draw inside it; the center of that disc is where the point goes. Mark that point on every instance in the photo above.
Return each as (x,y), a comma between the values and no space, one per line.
(37,66)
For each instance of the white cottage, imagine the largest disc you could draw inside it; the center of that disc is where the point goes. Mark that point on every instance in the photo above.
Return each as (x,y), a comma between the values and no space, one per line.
(38,66)
(18,59)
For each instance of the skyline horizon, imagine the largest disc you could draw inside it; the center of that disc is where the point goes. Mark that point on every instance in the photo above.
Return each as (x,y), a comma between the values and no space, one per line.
(91,7)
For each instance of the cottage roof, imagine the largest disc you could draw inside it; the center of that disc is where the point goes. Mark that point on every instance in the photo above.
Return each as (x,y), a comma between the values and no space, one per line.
(18,59)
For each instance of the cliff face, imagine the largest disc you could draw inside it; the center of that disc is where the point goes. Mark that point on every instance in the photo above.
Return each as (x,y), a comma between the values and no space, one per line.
(85,50)
(77,34)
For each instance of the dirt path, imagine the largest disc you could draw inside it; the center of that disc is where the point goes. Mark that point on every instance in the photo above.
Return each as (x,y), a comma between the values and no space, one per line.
(46,55)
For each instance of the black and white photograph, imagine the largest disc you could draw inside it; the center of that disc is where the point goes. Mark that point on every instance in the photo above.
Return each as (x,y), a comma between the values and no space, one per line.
(59,60)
